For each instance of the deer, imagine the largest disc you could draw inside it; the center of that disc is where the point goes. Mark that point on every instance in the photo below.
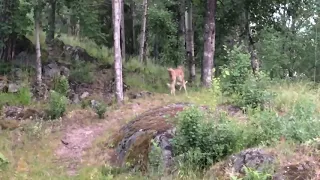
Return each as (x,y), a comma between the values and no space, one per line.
(177,77)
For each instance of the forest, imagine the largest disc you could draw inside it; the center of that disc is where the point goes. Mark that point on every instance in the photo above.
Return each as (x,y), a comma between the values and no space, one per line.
(150,89)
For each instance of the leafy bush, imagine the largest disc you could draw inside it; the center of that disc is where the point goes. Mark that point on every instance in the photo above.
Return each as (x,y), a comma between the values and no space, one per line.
(61,85)
(3,161)
(254,93)
(199,142)
(150,77)
(300,124)
(82,72)
(251,174)
(100,108)
(236,72)
(23,97)
(57,105)
(238,81)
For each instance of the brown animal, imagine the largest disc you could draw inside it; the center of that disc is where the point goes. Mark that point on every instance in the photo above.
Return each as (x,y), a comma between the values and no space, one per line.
(176,77)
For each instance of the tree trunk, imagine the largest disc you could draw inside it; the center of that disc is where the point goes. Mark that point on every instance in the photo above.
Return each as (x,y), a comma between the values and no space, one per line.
(122,29)
(252,51)
(117,50)
(38,52)
(209,44)
(52,21)
(133,14)
(182,24)
(143,31)
(7,37)
(190,44)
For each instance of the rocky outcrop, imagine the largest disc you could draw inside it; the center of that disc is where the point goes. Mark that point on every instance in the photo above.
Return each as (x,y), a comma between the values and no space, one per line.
(277,165)
(20,113)
(133,141)
(59,51)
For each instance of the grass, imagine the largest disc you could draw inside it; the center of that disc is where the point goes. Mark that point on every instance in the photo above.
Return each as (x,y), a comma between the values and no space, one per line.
(102,53)
(288,93)
(27,162)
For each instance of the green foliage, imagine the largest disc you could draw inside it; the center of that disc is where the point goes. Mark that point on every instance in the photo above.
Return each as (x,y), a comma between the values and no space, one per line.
(57,105)
(100,109)
(236,72)
(238,81)
(23,97)
(155,159)
(149,77)
(19,23)
(200,142)
(61,85)
(251,174)
(82,72)
(300,124)
(3,161)
(102,53)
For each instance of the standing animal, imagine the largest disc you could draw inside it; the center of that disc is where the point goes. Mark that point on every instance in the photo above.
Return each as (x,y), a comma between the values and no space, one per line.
(176,77)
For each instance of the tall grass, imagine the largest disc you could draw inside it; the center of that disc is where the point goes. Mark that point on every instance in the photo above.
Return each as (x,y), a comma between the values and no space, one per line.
(102,53)
(289,92)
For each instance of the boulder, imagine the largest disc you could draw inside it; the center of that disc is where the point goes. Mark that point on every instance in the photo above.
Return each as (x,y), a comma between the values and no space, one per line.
(13,87)
(253,158)
(21,113)
(133,141)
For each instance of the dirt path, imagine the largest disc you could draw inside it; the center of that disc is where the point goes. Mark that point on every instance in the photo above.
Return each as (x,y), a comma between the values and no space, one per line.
(82,128)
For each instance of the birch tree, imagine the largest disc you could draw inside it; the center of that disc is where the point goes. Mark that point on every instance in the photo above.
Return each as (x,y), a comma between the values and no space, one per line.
(143,31)
(117,50)
(209,43)
(37,12)
(190,44)
(123,37)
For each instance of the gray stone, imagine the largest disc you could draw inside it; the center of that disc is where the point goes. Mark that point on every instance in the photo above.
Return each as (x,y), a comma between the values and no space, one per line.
(13,87)
(84,95)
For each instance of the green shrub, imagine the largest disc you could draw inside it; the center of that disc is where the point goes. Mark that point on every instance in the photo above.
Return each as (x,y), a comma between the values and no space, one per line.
(251,174)
(23,97)
(254,93)
(200,142)
(238,81)
(100,109)
(82,72)
(85,103)
(3,161)
(57,105)
(300,124)
(61,85)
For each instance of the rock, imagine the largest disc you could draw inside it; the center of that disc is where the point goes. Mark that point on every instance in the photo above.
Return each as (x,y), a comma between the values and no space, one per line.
(251,158)
(84,95)
(77,53)
(17,73)
(13,87)
(64,71)
(19,113)
(141,94)
(11,112)
(30,113)
(163,140)
(133,140)
(299,171)
(75,98)
(51,70)
(3,86)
